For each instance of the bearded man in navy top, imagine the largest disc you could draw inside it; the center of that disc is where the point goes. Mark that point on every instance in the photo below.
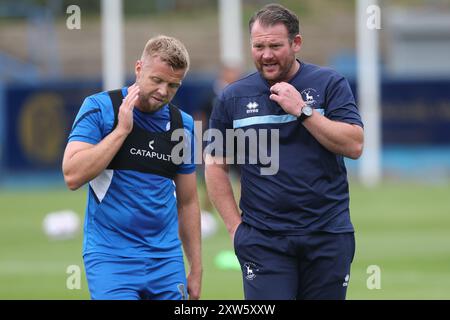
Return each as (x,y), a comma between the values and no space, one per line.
(141,202)
(294,238)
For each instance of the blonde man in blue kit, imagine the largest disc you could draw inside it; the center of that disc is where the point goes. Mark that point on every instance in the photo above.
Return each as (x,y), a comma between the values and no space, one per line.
(140,202)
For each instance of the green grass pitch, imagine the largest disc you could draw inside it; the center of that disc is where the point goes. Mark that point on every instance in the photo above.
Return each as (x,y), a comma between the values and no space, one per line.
(401,228)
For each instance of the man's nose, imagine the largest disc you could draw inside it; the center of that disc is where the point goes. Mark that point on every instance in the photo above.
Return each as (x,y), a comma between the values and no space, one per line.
(162,89)
(267,53)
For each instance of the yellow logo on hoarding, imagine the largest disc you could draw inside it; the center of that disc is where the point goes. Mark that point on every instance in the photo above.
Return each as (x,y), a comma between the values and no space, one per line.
(42,124)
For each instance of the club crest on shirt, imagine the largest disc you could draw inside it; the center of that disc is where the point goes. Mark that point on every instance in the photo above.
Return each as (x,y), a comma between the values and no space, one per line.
(310,96)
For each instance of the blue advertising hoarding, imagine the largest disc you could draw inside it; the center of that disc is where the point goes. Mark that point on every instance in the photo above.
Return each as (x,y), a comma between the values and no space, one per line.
(37,119)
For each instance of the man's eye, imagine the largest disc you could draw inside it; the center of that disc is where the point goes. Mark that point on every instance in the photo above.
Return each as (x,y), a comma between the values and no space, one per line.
(156,80)
(174,85)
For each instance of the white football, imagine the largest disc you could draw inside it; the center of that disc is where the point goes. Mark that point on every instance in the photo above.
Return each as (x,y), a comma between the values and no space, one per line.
(61,225)
(209,224)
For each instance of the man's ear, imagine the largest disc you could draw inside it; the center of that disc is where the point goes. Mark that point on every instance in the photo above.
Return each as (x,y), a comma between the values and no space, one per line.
(138,68)
(297,43)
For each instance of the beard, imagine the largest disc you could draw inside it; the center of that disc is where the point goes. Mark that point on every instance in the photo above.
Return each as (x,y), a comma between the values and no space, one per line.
(146,106)
(281,75)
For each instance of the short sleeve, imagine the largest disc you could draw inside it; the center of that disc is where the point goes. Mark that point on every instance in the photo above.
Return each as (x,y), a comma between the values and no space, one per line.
(340,102)
(189,166)
(219,122)
(88,124)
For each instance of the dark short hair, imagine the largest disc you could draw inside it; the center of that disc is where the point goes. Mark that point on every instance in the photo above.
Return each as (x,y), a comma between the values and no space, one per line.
(273,14)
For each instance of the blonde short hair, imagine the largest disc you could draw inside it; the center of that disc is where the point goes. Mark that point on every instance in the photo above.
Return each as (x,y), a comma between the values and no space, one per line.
(169,50)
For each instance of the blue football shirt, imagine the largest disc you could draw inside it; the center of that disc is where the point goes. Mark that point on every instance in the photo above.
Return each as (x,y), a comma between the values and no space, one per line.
(129,213)
(309,192)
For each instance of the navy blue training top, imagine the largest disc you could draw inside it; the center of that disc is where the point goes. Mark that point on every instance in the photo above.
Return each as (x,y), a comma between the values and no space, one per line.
(309,192)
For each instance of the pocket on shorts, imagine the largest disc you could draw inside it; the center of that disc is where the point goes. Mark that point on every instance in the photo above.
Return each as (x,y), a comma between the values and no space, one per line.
(352,246)
(236,235)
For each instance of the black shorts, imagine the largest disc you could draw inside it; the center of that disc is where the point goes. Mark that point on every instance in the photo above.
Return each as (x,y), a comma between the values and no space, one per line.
(286,267)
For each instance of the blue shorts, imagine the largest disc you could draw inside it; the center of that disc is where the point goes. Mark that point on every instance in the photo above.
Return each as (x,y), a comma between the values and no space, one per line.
(287,267)
(118,278)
